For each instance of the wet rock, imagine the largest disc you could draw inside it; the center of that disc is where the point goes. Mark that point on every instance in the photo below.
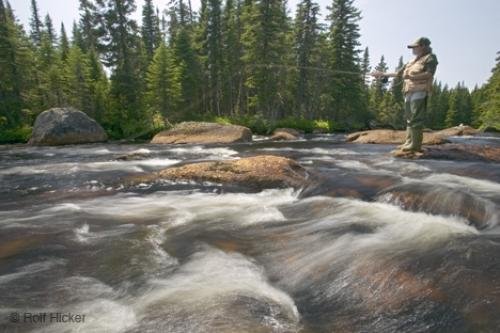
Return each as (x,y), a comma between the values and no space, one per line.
(11,248)
(134,156)
(257,172)
(384,136)
(61,126)
(357,186)
(286,134)
(458,152)
(433,199)
(203,133)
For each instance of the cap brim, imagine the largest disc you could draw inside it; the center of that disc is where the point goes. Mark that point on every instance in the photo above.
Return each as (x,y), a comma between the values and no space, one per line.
(412,46)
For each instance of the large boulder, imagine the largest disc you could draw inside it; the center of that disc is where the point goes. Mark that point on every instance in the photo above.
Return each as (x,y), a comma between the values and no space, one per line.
(257,172)
(62,126)
(204,133)
(384,136)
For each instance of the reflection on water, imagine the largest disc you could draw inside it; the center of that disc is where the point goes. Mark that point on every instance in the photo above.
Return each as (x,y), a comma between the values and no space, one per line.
(376,244)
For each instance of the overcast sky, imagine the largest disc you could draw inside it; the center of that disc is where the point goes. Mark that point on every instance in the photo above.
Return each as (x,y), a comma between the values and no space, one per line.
(465,34)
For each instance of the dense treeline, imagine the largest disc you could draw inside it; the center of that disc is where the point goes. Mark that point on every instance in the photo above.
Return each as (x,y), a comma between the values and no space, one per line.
(243,61)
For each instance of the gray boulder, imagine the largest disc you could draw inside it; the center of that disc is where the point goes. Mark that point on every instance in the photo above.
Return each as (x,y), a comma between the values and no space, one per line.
(63,126)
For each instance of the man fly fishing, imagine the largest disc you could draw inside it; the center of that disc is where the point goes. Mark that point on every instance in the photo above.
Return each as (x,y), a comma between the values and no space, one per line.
(418,76)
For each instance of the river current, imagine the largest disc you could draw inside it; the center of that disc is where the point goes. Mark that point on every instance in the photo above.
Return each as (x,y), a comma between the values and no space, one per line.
(378,245)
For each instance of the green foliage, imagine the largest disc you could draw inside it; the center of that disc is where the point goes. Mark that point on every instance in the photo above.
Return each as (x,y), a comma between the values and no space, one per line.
(488,103)
(243,62)
(260,125)
(15,135)
(346,87)
(163,85)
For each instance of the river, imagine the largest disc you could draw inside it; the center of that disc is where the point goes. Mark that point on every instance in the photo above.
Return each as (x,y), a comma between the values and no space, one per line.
(378,245)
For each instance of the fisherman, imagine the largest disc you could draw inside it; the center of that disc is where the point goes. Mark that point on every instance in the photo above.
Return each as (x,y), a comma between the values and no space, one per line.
(418,76)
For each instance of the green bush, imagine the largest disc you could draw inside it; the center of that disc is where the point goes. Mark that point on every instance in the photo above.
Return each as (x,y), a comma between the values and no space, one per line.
(15,135)
(260,125)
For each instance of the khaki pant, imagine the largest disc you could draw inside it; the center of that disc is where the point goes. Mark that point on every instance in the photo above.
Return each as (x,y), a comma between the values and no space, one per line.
(415,112)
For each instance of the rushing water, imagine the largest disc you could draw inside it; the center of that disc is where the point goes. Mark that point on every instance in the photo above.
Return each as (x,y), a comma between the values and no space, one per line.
(376,244)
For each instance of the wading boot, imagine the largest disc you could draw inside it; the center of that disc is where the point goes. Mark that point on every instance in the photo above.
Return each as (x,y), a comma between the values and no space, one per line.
(417,136)
(407,142)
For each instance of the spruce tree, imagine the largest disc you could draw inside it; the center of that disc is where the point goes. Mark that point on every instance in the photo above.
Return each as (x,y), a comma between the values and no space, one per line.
(149,29)
(346,87)
(49,30)
(63,43)
(377,91)
(15,70)
(307,31)
(163,87)
(489,109)
(36,25)
(189,74)
(365,65)
(213,63)
(453,112)
(76,81)
(122,53)
(264,42)
(232,78)
(91,26)
(98,86)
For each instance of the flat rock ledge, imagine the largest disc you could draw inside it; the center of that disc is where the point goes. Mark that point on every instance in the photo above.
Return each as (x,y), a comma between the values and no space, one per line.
(456,152)
(203,133)
(384,136)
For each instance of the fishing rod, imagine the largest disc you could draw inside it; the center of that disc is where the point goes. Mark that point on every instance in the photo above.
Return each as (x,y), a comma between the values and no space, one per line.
(323,70)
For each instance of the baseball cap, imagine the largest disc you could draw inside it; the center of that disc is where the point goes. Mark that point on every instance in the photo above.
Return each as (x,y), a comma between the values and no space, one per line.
(422,41)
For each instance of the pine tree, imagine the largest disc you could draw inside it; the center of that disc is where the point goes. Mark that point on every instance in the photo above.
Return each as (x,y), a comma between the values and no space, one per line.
(453,113)
(91,26)
(123,54)
(377,91)
(232,78)
(264,42)
(76,36)
(15,70)
(64,43)
(76,81)
(213,50)
(49,30)
(397,84)
(98,86)
(35,24)
(189,74)
(365,65)
(149,29)
(163,87)
(307,31)
(346,86)
(397,94)
(489,109)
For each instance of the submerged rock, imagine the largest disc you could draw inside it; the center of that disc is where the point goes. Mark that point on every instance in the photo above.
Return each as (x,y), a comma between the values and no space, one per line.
(203,133)
(286,134)
(264,171)
(61,126)
(384,136)
(133,156)
(441,200)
